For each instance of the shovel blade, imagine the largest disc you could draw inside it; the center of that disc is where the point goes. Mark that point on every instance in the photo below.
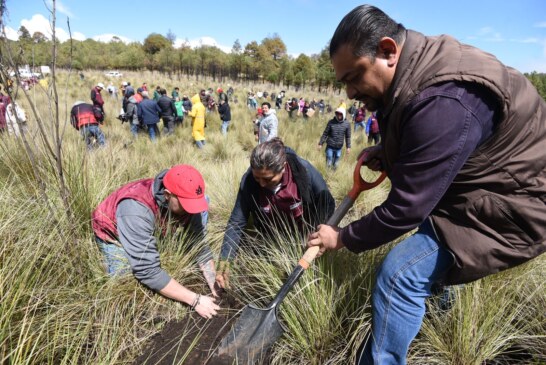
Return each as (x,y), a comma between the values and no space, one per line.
(251,336)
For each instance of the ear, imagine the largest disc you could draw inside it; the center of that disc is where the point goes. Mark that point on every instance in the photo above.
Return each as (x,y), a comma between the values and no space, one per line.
(167,194)
(389,50)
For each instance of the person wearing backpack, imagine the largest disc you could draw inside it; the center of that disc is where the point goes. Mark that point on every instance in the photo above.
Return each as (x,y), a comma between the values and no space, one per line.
(132,113)
(360,118)
(372,129)
(82,117)
(98,102)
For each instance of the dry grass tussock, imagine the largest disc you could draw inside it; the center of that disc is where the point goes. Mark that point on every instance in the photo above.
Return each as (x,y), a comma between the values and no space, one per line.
(58,306)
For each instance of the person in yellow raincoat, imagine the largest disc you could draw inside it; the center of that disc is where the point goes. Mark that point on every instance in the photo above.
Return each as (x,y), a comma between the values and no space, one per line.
(198,121)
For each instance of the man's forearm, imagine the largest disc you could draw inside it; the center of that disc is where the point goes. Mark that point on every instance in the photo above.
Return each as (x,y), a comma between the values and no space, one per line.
(174,290)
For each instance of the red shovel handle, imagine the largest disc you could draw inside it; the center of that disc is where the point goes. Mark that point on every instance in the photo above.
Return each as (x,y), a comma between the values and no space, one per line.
(359,184)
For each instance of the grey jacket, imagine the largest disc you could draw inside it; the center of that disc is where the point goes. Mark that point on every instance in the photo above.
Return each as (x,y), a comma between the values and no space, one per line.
(268,127)
(136,225)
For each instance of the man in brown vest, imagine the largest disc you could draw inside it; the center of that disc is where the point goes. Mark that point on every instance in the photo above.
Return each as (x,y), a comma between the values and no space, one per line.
(463,141)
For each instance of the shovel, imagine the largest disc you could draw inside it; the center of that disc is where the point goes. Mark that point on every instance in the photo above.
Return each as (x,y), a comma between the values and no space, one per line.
(257,329)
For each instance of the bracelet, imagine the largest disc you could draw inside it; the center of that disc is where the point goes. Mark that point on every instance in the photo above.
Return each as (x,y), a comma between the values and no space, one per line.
(196,302)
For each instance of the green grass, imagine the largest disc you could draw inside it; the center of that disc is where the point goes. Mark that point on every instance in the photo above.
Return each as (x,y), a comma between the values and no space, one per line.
(58,306)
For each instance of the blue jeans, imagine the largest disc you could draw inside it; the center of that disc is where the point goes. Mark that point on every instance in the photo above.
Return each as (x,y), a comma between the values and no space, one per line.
(153,131)
(200,144)
(332,157)
(225,125)
(134,130)
(360,125)
(90,131)
(115,257)
(403,282)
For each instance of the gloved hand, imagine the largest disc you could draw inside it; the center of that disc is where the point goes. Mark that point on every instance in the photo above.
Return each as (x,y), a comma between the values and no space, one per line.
(222,274)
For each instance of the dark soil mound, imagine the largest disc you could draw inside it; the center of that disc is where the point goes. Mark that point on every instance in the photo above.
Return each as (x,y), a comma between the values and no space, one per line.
(173,344)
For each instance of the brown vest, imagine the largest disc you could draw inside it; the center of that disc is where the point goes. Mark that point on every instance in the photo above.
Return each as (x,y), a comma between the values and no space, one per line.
(493,215)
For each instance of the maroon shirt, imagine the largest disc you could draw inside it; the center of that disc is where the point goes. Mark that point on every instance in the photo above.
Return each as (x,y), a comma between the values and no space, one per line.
(444,124)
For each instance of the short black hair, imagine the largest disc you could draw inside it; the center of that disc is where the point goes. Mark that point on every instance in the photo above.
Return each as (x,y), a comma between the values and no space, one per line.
(266,103)
(363,28)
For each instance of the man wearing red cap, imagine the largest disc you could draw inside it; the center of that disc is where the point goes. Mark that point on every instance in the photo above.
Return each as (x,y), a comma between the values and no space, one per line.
(222,96)
(124,225)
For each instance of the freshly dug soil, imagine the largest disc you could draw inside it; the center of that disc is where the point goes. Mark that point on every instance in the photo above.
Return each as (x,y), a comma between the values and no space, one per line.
(172,345)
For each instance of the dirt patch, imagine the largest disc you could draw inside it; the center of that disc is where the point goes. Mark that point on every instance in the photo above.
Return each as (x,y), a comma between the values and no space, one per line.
(193,339)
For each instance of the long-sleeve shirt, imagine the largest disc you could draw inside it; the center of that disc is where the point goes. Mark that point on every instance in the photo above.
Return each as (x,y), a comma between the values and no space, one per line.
(443,125)
(136,225)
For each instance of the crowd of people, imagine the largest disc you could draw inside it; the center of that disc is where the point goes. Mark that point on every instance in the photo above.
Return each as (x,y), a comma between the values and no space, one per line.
(144,112)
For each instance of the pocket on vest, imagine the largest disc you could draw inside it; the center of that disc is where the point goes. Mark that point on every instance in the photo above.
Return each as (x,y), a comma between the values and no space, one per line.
(500,218)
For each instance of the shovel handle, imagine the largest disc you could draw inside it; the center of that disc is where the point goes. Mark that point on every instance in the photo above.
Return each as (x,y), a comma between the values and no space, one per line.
(359,185)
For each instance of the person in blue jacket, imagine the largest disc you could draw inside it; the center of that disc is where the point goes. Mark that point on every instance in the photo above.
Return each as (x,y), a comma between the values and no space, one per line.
(148,114)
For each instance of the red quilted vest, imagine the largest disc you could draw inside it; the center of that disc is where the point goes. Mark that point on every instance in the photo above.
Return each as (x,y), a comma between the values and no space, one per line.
(104,216)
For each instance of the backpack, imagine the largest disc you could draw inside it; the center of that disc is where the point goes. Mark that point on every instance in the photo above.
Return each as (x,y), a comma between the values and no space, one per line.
(374,126)
(98,113)
(359,116)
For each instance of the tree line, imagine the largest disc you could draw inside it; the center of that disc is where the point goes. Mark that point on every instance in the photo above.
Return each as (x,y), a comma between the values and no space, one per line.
(253,63)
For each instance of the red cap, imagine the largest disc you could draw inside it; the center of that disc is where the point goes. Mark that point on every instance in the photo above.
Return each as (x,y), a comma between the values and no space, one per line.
(188,185)
(219,90)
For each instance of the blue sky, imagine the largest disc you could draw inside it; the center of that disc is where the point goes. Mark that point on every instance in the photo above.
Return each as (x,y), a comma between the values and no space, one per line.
(514,31)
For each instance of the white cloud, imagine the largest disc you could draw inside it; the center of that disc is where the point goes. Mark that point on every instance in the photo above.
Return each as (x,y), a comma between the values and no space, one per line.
(11,33)
(108,37)
(540,25)
(38,23)
(202,41)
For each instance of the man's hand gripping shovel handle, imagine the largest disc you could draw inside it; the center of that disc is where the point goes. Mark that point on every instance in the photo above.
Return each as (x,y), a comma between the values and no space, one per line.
(359,185)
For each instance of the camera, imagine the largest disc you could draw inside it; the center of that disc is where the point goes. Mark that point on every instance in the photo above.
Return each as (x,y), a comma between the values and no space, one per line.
(122,118)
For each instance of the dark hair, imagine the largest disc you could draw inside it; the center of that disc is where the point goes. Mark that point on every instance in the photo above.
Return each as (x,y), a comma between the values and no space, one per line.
(163,92)
(363,28)
(268,105)
(269,155)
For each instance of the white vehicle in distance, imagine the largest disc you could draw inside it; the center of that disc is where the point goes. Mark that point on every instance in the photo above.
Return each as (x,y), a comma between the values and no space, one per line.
(24,73)
(114,74)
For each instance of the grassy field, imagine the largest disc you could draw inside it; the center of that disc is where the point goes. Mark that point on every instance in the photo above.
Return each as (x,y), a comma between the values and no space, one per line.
(59,307)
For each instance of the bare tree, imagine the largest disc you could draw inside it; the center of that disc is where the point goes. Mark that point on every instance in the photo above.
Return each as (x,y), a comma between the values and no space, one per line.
(51,146)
